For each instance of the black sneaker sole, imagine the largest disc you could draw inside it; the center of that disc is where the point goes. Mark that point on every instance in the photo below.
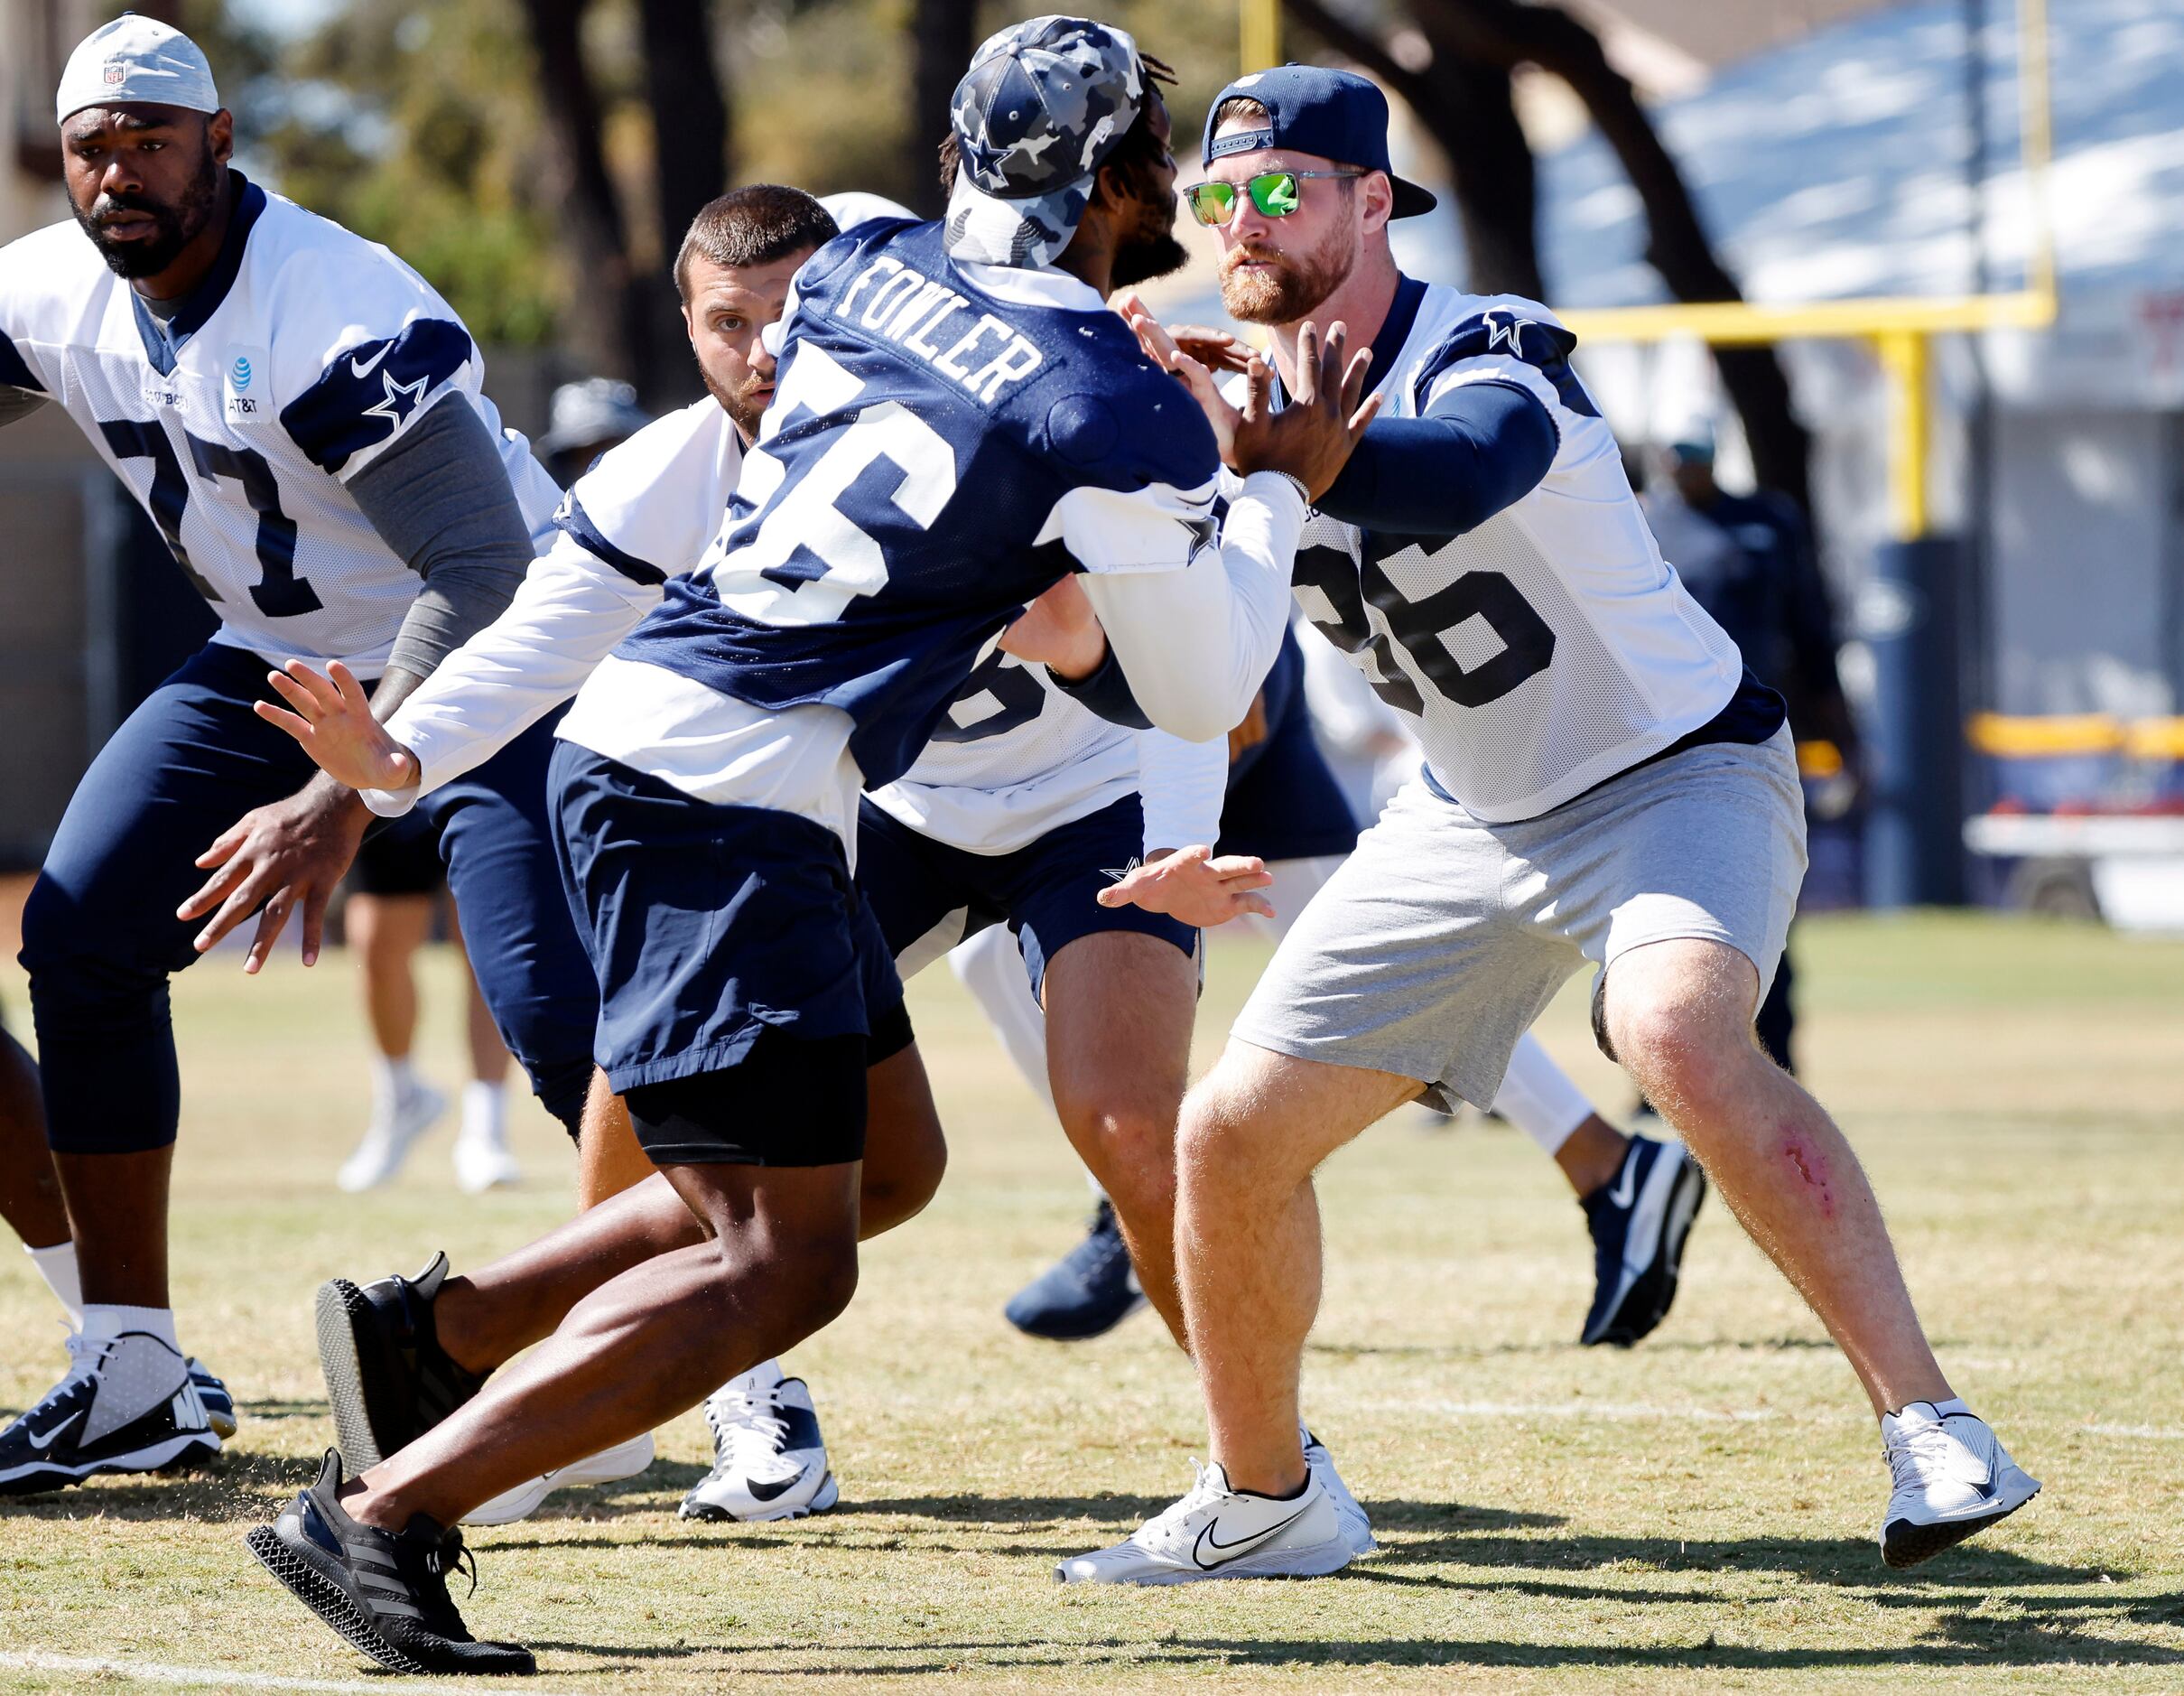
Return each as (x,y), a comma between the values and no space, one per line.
(361,1383)
(327,1600)
(195,1449)
(1911,1544)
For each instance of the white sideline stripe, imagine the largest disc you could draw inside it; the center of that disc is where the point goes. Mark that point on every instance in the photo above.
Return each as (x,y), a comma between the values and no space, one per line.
(215,1678)
(2150,1434)
(1602,1411)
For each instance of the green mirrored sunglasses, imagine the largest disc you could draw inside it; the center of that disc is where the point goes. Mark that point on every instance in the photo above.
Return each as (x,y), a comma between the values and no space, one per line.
(1275,193)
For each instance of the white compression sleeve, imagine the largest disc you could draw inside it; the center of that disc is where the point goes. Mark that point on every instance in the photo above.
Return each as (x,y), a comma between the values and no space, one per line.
(1182,785)
(991,968)
(1537,1097)
(1197,643)
(568,615)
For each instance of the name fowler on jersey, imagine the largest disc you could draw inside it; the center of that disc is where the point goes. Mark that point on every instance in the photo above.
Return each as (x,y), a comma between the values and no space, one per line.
(908,308)
(850,574)
(237,420)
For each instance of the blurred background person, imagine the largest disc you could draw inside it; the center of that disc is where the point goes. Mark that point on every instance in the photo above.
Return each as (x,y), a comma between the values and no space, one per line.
(583,420)
(1750,561)
(395,891)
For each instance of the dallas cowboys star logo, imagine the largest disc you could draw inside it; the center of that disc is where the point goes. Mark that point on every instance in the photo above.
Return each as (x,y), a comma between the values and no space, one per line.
(401,400)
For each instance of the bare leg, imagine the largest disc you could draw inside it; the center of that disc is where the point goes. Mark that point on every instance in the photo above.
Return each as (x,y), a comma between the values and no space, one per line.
(609,1158)
(646,1345)
(490,1058)
(1593,1155)
(387,931)
(118,1205)
(30,1189)
(1247,1244)
(1680,1015)
(1119,1011)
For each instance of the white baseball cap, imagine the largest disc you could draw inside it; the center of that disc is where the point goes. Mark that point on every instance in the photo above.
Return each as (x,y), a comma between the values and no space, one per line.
(132,61)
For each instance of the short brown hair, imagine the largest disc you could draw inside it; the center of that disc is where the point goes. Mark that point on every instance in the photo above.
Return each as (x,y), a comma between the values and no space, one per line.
(1241,105)
(753,226)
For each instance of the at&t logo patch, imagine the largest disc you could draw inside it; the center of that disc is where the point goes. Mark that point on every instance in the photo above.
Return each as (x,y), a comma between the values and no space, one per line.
(243,386)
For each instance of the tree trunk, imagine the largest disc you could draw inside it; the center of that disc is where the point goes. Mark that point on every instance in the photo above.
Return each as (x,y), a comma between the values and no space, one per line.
(1510,32)
(942,34)
(691,166)
(1468,106)
(609,328)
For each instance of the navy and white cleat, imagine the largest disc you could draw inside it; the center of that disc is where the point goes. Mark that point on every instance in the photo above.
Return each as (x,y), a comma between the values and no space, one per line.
(1087,1292)
(1639,1223)
(127,1406)
(1951,1477)
(219,1406)
(769,1460)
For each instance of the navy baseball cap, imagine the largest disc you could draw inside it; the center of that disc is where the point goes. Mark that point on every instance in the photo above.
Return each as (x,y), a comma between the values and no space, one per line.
(1335,113)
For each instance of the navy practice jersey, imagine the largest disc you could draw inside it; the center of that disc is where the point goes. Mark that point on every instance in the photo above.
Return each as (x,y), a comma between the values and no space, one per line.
(945,442)
(239,421)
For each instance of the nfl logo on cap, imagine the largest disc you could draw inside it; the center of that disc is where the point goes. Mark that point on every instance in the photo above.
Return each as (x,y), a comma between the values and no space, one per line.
(118,72)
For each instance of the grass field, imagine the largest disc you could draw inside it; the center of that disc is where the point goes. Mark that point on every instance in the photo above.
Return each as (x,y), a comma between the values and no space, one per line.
(1698,1513)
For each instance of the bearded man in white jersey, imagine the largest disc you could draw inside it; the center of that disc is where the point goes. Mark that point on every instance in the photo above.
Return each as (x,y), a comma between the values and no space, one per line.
(1603,782)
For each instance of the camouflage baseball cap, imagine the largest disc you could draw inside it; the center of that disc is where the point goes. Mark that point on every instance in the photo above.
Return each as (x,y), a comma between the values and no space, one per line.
(1043,105)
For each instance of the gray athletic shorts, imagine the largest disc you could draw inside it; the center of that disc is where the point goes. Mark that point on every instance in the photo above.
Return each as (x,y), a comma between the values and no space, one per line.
(1442,938)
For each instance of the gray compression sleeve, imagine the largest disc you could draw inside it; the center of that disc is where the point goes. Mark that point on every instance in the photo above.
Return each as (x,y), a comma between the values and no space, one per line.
(18,403)
(441,499)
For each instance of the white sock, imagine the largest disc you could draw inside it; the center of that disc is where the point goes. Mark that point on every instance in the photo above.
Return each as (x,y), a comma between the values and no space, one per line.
(107,1319)
(394,1079)
(57,1266)
(484,1112)
(1537,1097)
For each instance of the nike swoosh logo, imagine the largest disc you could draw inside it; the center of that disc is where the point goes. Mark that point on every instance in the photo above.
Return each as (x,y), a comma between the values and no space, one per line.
(43,1440)
(1626,1188)
(766,1491)
(1207,1540)
(365,368)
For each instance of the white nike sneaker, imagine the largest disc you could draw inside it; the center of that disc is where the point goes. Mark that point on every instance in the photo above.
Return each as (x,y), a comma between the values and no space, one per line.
(609,1466)
(1356,1527)
(769,1461)
(483,1163)
(387,1139)
(1952,1477)
(127,1404)
(1219,1533)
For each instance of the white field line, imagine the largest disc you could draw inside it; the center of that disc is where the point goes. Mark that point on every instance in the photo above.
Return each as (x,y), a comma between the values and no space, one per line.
(210,1677)
(1637,1411)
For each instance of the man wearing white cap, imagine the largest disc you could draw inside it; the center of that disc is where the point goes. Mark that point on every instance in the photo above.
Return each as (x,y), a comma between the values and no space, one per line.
(303,417)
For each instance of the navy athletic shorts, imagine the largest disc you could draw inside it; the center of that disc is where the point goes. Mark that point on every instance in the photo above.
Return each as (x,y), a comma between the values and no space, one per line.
(100,938)
(1284,802)
(399,856)
(928,896)
(716,934)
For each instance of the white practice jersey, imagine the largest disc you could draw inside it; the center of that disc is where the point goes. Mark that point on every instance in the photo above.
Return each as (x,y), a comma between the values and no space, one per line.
(1015,758)
(238,421)
(1551,647)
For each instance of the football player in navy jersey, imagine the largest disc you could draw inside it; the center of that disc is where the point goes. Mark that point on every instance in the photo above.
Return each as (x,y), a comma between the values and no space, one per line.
(959,426)
(1605,782)
(304,417)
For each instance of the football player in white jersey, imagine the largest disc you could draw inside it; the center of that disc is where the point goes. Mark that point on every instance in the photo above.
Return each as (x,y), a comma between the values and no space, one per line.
(1024,805)
(1603,782)
(303,417)
(961,425)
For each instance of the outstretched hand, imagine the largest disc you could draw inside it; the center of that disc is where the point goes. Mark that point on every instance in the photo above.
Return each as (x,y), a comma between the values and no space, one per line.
(1193,886)
(333,722)
(1312,438)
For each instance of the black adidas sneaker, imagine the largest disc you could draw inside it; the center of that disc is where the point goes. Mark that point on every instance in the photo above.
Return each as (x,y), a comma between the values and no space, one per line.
(128,1404)
(387,1375)
(385,1593)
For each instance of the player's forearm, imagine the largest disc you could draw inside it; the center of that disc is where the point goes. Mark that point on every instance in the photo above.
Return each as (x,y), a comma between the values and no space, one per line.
(1181,787)
(1484,447)
(441,498)
(1196,644)
(568,615)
